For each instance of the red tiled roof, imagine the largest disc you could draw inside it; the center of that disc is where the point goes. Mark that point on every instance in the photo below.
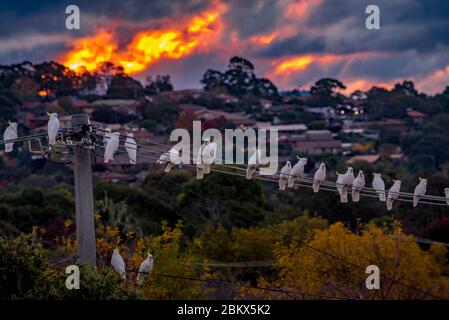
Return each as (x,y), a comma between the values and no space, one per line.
(415,114)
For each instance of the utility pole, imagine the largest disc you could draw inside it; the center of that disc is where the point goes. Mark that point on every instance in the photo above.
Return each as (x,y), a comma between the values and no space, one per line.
(85,223)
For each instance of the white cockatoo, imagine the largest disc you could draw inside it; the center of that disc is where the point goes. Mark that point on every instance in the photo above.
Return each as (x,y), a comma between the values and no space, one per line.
(283,176)
(344,182)
(53,127)
(357,186)
(131,148)
(111,146)
(206,156)
(420,191)
(319,177)
(393,193)
(446,192)
(297,171)
(170,158)
(10,134)
(379,186)
(107,135)
(254,162)
(145,268)
(118,263)
(339,183)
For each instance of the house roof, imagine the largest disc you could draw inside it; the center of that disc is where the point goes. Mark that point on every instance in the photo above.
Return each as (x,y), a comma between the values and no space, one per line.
(320,144)
(368,158)
(282,127)
(415,114)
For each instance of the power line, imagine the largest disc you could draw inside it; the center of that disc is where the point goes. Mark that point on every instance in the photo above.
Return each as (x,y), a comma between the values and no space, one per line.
(313,248)
(307,183)
(308,246)
(224,283)
(199,229)
(366,189)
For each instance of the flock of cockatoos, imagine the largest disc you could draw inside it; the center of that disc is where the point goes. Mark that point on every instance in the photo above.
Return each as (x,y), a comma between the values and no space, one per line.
(206,157)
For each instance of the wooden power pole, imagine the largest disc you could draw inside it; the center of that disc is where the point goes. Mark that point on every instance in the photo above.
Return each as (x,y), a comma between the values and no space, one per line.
(85,222)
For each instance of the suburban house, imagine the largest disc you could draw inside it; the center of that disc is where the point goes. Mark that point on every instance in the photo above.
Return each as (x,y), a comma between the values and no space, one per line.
(325,113)
(315,142)
(205,114)
(416,116)
(372,158)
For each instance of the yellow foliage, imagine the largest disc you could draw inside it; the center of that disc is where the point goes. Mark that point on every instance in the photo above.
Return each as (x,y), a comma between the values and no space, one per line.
(396,254)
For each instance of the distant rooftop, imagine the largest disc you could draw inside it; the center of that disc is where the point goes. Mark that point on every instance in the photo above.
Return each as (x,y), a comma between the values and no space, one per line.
(282,127)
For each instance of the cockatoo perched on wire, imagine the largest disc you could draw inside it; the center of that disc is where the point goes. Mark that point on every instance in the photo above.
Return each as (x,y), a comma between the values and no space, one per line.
(319,177)
(131,148)
(393,193)
(343,182)
(446,192)
(420,191)
(339,184)
(206,156)
(285,173)
(53,127)
(118,263)
(10,134)
(111,147)
(357,186)
(379,186)
(297,171)
(254,162)
(171,158)
(145,268)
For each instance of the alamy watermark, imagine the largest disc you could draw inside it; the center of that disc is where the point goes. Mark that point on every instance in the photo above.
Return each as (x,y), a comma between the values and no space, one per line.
(72,22)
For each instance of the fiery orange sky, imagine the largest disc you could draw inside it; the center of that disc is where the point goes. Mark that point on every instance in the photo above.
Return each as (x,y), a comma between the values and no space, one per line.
(145,47)
(292,42)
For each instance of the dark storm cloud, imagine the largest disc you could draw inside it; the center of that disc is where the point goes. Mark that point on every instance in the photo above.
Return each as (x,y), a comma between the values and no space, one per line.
(413,39)
(253,17)
(49,16)
(300,44)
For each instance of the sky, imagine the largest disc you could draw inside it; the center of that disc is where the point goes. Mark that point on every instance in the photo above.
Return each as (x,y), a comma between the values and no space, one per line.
(293,43)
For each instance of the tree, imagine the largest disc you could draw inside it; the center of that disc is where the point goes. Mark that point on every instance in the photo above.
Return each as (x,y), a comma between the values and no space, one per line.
(397,255)
(160,84)
(212,79)
(325,92)
(406,88)
(240,79)
(326,87)
(125,87)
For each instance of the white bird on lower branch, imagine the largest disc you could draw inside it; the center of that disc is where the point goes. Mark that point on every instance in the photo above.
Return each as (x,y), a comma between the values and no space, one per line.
(420,191)
(357,186)
(10,134)
(283,176)
(446,192)
(145,268)
(118,263)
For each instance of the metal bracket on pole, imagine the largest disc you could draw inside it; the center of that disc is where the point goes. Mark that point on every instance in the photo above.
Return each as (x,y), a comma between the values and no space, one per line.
(85,221)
